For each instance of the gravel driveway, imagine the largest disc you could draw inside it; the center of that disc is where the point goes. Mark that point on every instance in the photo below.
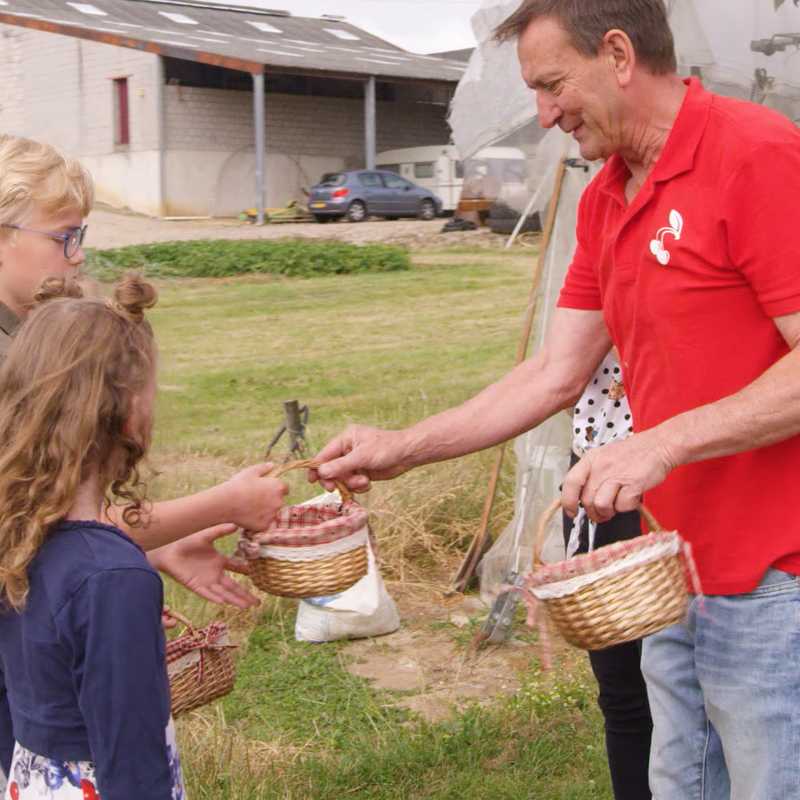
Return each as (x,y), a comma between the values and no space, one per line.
(110,228)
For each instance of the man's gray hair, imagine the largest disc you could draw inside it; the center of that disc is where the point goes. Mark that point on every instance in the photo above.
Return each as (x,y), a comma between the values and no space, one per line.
(586,22)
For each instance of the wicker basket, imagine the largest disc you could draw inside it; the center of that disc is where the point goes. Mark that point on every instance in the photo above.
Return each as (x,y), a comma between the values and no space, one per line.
(617,593)
(310,550)
(199,665)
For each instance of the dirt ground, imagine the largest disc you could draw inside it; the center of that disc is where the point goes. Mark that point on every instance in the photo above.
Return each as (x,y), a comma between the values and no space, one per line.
(110,228)
(431,657)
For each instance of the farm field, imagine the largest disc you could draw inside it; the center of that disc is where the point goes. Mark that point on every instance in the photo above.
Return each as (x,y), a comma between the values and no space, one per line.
(419,713)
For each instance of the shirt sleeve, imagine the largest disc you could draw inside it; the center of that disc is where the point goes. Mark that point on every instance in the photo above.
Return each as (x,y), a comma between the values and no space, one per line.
(762,216)
(6,731)
(114,622)
(581,288)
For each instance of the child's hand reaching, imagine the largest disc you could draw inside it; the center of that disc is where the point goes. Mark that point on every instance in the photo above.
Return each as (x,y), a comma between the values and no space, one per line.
(195,562)
(254,500)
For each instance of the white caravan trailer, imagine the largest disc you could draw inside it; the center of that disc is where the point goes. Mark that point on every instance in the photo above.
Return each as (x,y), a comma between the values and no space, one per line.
(494,172)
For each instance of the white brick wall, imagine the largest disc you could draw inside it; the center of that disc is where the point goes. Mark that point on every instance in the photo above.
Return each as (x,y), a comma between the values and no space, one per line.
(60,89)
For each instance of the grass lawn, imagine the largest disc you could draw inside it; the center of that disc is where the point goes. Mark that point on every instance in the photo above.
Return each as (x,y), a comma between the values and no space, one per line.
(384,349)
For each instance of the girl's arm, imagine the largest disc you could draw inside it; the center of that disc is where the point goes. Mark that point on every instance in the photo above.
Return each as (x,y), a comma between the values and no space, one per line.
(248,500)
(113,625)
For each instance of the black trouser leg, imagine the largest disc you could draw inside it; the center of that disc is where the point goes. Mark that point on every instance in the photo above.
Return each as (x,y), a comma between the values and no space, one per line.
(626,714)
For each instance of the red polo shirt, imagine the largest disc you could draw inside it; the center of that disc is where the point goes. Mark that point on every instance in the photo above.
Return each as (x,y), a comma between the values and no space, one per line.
(688,278)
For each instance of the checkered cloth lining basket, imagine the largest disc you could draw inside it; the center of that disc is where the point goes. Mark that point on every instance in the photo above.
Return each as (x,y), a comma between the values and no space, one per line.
(617,593)
(309,551)
(200,665)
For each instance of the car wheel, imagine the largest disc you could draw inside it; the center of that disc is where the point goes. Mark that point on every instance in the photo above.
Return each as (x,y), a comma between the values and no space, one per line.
(357,212)
(427,209)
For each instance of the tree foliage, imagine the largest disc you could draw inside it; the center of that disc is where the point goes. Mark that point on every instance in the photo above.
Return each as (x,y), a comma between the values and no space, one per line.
(779,3)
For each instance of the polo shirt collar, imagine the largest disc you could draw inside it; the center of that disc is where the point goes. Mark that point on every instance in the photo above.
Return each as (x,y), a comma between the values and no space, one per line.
(681,146)
(9,321)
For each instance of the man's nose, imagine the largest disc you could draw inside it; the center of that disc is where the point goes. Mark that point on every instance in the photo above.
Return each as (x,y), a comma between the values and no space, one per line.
(549,112)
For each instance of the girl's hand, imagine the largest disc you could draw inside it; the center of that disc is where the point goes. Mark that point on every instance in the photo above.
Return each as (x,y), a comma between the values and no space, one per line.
(254,500)
(196,563)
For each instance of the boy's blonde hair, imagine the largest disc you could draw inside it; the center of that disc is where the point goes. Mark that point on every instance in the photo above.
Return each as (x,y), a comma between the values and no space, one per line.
(67,391)
(36,178)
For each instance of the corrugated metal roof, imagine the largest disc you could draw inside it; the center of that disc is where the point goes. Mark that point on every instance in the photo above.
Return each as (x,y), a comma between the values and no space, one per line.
(239,38)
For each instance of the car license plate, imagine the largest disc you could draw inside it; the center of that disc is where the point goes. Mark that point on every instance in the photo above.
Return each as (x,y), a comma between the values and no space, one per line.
(318,205)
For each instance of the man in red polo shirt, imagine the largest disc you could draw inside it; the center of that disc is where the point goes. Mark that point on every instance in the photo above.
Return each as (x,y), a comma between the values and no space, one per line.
(688,260)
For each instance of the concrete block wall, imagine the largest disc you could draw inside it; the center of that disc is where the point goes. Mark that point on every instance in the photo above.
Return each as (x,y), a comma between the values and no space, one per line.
(215,119)
(61,89)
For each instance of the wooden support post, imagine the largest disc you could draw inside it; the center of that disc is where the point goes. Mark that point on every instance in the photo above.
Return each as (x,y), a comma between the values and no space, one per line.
(294,425)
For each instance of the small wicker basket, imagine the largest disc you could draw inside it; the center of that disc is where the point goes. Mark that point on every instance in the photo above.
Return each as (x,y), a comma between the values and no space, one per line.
(617,593)
(310,550)
(199,665)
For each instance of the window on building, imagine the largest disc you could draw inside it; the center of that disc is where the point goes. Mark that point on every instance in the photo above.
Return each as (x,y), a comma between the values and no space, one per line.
(122,129)
(391,168)
(423,169)
(459,169)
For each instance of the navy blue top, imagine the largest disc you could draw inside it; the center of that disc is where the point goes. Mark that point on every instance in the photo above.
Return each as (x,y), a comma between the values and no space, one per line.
(83,674)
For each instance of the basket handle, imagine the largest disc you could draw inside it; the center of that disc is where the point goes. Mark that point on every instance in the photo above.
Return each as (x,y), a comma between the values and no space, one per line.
(653,526)
(346,494)
(169,612)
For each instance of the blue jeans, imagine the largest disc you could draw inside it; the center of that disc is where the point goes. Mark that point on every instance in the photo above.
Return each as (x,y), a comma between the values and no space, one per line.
(724,691)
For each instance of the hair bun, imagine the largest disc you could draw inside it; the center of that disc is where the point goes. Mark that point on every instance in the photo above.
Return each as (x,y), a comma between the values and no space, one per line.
(133,295)
(52,288)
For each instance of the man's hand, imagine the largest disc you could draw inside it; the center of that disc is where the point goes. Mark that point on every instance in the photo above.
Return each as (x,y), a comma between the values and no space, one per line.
(254,500)
(360,455)
(194,562)
(611,479)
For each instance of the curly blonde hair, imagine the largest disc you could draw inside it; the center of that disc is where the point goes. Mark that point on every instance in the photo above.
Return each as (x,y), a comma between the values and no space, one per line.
(67,391)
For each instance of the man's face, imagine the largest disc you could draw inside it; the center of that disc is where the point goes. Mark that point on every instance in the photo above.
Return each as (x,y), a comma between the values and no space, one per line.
(28,258)
(573,91)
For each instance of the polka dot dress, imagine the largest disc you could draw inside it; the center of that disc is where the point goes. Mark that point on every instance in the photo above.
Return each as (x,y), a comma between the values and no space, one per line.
(602,415)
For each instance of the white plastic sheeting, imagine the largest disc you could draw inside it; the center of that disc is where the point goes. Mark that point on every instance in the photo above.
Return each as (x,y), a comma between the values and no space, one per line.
(542,454)
(712,39)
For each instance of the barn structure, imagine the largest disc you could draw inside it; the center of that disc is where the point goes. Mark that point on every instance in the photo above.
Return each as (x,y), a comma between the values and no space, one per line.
(193,109)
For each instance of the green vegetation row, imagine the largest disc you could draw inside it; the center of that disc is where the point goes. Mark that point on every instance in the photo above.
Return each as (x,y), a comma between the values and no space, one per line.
(221,258)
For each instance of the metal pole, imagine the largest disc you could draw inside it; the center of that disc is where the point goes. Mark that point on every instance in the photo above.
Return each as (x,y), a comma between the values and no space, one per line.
(258,122)
(161,124)
(369,122)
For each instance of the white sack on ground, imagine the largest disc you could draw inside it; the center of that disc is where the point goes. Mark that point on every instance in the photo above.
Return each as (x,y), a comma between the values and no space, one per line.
(365,609)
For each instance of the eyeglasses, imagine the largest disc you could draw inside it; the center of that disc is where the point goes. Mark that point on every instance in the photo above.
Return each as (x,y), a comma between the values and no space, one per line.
(73,238)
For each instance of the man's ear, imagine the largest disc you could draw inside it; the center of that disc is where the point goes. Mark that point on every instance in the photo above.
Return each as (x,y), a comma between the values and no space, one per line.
(617,49)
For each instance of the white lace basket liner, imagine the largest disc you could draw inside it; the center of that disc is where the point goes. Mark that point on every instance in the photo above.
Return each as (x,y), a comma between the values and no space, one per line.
(617,593)
(310,533)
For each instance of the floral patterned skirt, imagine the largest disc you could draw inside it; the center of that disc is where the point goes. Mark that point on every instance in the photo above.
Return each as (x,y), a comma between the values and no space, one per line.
(34,777)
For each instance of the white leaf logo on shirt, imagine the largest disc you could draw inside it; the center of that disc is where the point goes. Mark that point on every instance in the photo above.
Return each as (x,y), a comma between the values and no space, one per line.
(657,245)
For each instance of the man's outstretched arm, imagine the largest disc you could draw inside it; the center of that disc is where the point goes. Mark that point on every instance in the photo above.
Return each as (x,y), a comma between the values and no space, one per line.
(536,389)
